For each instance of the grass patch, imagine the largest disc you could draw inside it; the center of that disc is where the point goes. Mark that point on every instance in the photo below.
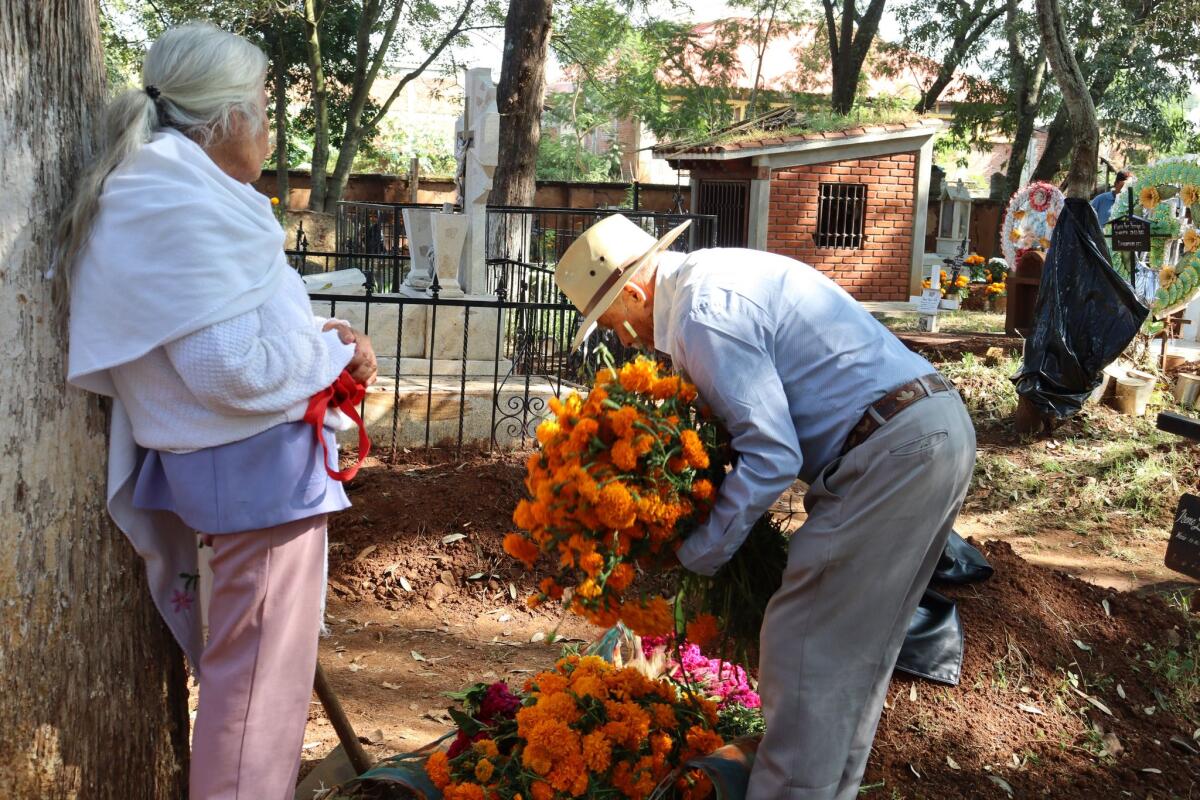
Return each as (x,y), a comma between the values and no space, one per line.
(987,390)
(949,322)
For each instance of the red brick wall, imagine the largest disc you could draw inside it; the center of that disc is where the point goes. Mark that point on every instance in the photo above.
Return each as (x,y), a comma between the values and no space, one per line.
(880,269)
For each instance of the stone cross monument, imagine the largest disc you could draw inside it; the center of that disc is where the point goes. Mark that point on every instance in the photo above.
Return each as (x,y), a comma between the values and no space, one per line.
(478,148)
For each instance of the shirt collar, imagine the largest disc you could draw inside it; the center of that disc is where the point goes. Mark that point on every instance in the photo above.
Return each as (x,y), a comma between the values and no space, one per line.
(666,284)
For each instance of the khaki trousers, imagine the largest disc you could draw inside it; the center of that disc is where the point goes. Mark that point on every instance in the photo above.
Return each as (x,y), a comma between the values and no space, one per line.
(258,665)
(879,517)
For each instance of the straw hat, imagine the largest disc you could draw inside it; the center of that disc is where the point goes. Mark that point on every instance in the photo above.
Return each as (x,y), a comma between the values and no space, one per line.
(601,261)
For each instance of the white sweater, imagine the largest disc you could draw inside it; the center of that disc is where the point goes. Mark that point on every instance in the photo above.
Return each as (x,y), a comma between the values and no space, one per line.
(234,379)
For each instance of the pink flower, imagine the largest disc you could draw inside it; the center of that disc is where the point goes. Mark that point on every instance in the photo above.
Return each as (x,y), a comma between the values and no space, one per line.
(182,601)
(728,683)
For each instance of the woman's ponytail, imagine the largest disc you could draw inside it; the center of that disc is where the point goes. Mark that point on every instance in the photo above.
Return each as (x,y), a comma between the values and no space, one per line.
(129,122)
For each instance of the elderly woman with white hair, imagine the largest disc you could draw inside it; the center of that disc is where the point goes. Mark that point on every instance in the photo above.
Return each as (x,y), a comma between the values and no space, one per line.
(185,312)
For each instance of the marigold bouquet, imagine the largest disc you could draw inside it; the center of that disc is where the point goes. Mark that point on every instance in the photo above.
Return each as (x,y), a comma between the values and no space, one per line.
(619,479)
(584,729)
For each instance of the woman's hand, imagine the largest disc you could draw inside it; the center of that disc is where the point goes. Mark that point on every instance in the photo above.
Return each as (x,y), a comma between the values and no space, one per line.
(362,366)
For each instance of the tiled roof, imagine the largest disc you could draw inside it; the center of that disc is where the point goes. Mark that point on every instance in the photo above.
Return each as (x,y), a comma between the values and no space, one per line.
(781,138)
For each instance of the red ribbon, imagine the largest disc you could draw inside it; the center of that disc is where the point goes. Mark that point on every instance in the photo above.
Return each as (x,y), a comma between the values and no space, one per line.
(345,395)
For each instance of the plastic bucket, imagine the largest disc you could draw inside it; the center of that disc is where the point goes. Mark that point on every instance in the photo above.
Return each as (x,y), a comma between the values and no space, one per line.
(1132,395)
(1187,389)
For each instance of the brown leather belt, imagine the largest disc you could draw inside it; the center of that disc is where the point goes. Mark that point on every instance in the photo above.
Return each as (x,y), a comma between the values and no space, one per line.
(892,404)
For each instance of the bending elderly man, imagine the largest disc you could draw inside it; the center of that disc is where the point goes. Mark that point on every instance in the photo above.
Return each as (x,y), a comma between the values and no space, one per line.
(809,385)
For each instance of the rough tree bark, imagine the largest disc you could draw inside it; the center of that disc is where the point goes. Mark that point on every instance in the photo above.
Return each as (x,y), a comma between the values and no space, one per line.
(93,702)
(519,99)
(314,10)
(1081,177)
(850,40)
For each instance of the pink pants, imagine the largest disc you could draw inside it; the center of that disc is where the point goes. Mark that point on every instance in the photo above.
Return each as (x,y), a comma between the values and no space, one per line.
(257,667)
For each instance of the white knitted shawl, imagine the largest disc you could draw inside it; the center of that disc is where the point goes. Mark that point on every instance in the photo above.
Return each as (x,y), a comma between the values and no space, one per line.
(177,246)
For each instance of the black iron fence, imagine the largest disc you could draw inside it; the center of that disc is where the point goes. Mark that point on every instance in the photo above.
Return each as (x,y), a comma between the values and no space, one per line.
(479,368)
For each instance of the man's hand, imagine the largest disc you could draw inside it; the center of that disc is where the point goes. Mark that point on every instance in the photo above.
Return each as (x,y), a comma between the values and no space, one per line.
(362,366)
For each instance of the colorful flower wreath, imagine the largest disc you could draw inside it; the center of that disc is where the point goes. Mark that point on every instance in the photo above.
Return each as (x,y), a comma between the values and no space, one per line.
(1174,238)
(1030,219)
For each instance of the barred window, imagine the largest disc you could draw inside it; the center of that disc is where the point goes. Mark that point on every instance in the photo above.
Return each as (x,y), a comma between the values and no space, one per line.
(841,210)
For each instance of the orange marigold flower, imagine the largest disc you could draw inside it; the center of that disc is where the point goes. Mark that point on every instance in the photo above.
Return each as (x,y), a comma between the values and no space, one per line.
(542,791)
(651,619)
(487,748)
(621,421)
(664,715)
(484,770)
(521,549)
(623,455)
(615,506)
(703,630)
(620,578)
(701,741)
(702,489)
(597,752)
(665,388)
(463,791)
(638,375)
(693,449)
(547,431)
(437,767)
(592,563)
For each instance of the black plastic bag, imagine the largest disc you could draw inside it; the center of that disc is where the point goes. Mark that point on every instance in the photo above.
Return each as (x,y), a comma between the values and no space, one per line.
(933,646)
(961,562)
(1086,315)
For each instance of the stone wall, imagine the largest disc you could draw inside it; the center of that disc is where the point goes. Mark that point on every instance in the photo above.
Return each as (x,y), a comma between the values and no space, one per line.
(881,268)
(375,188)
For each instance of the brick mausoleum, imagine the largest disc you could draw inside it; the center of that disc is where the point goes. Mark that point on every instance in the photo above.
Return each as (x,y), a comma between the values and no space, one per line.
(850,203)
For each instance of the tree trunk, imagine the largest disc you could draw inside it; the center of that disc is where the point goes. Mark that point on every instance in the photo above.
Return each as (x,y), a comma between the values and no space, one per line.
(1058,144)
(1029,85)
(94,697)
(313,10)
(519,98)
(850,38)
(282,188)
(960,48)
(1081,178)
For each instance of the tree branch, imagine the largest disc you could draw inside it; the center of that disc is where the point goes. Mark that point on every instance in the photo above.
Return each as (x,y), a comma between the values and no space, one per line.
(437,51)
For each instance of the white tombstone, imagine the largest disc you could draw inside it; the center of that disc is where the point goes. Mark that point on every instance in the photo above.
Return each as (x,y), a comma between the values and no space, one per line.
(954,221)
(479,149)
(419,229)
(449,240)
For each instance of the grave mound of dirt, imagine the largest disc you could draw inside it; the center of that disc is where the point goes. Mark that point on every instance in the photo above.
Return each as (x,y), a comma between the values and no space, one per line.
(1064,693)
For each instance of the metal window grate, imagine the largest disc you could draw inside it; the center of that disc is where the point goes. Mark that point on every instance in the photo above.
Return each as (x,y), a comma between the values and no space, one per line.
(841,211)
(729,201)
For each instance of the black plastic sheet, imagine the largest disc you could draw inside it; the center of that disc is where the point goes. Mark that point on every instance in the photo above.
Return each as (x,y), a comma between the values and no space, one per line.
(1086,315)
(933,645)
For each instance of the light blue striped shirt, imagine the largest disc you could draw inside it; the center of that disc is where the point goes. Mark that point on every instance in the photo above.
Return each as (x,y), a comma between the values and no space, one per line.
(787,360)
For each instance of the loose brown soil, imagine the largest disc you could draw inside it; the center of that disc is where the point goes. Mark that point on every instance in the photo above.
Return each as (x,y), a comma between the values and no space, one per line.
(423,601)
(394,650)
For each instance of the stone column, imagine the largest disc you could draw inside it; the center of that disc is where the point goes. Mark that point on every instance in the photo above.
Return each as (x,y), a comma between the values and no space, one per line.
(419,229)
(479,133)
(449,239)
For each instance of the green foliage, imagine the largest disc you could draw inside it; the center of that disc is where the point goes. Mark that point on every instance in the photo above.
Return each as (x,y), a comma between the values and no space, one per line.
(737,721)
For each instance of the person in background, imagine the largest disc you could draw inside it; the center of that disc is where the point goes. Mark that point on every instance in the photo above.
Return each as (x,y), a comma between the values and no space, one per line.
(1103,202)
(185,311)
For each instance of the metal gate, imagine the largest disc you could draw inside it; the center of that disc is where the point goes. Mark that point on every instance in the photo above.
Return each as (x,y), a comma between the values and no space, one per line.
(729,201)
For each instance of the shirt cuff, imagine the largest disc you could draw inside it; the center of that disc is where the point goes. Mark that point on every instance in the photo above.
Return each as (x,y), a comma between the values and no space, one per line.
(699,558)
